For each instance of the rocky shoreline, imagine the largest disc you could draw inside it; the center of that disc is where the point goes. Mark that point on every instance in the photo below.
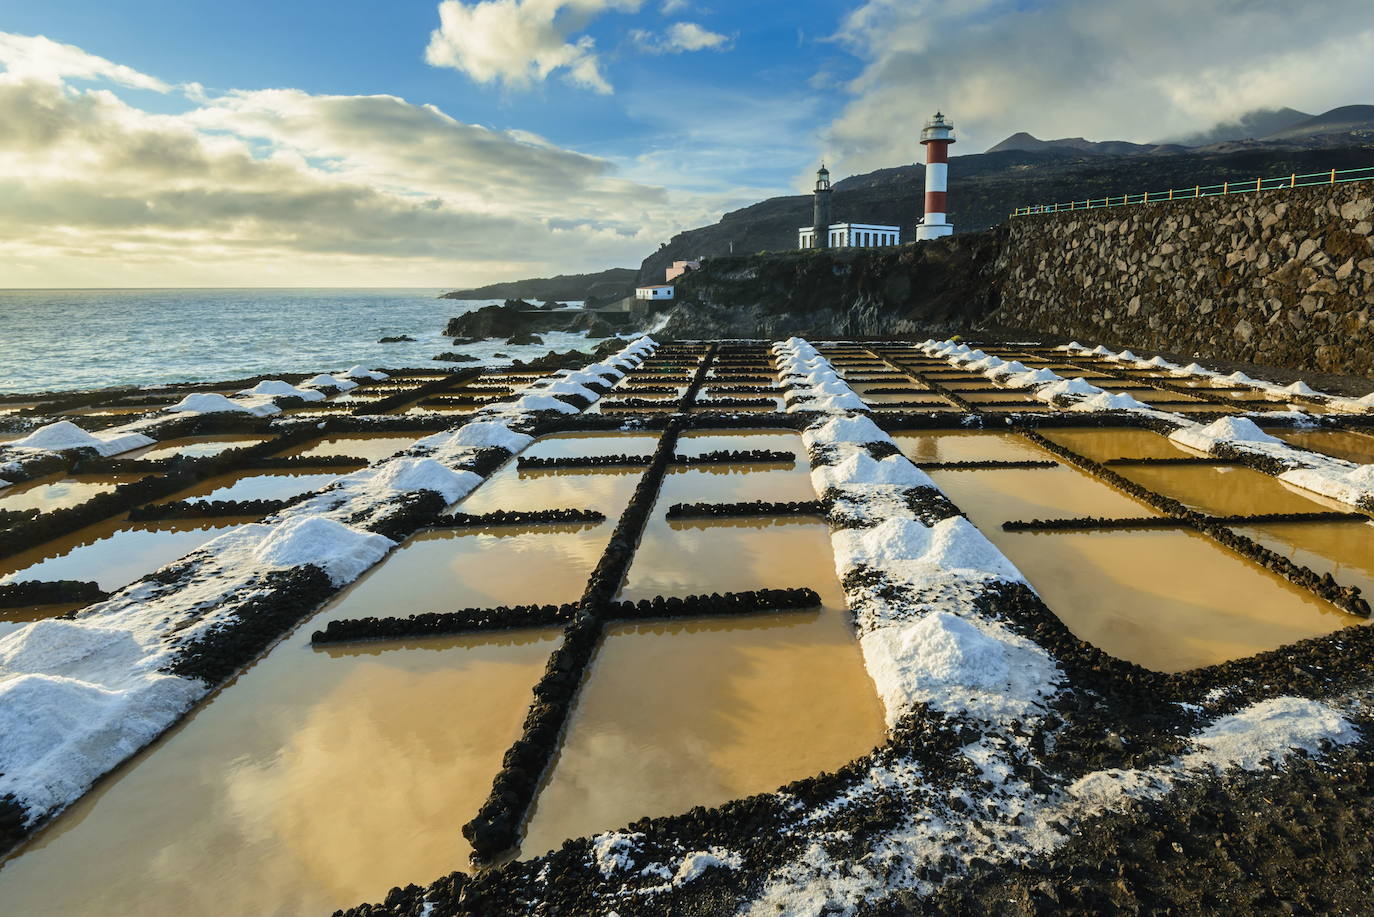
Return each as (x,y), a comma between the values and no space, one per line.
(520,322)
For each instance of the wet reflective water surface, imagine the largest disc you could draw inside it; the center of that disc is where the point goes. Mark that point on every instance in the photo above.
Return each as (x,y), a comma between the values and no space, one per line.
(195,446)
(990,498)
(1101,444)
(1167,600)
(1343,549)
(1226,490)
(683,713)
(57,492)
(1353,447)
(258,485)
(970,446)
(113,553)
(315,781)
(370,446)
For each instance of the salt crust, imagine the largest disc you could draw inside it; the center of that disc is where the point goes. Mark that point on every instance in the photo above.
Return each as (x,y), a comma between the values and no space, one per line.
(324,380)
(536,396)
(806,372)
(479,434)
(909,551)
(1226,429)
(1324,475)
(1109,401)
(362,372)
(214,403)
(77,697)
(408,475)
(276,388)
(1250,738)
(343,552)
(1237,378)
(958,664)
(913,555)
(614,854)
(1069,387)
(63,435)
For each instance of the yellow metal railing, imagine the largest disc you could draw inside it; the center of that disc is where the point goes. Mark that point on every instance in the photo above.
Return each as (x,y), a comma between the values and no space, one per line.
(1331,177)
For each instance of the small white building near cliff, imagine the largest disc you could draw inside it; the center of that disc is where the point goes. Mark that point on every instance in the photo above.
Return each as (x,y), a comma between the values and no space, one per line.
(658,292)
(852,235)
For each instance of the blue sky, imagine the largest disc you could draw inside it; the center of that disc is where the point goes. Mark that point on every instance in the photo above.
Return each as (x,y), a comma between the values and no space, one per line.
(436,142)
(357,48)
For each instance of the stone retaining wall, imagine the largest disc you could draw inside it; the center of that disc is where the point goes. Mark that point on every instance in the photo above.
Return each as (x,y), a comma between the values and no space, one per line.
(1280,277)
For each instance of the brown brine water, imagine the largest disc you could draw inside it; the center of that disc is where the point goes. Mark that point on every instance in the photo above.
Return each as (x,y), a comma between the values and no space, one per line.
(1343,549)
(676,714)
(370,446)
(1169,600)
(970,446)
(321,778)
(992,497)
(1226,490)
(1112,443)
(1353,447)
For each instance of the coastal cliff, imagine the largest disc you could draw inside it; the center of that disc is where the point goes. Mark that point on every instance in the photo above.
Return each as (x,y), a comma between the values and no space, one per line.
(947,284)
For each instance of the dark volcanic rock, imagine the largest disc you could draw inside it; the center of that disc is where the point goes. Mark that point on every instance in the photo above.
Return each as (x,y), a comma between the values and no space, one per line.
(518,319)
(524,338)
(935,286)
(398,339)
(449,356)
(590,322)
(492,321)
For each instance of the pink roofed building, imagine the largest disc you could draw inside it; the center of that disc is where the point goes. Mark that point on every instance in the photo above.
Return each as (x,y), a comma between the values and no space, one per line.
(679,268)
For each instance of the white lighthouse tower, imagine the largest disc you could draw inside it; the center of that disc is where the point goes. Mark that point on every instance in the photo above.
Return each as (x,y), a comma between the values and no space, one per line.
(936,137)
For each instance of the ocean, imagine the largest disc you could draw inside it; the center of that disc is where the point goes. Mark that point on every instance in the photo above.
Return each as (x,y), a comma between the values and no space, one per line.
(76,339)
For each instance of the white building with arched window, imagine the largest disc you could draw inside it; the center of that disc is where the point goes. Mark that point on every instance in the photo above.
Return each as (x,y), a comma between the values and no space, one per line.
(852,235)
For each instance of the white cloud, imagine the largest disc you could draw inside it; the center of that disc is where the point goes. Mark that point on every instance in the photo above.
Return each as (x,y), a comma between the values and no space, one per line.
(35,57)
(522,42)
(288,187)
(670,7)
(1106,69)
(680,37)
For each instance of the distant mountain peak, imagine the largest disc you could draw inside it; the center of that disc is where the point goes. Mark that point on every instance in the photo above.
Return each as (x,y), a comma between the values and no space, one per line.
(1024,142)
(1253,125)
(1336,121)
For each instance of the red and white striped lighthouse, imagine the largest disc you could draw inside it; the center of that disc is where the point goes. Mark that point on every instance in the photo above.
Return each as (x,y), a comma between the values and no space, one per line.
(936,137)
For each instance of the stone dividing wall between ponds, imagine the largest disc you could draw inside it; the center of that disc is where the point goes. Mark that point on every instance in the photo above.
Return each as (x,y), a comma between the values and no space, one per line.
(1281,277)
